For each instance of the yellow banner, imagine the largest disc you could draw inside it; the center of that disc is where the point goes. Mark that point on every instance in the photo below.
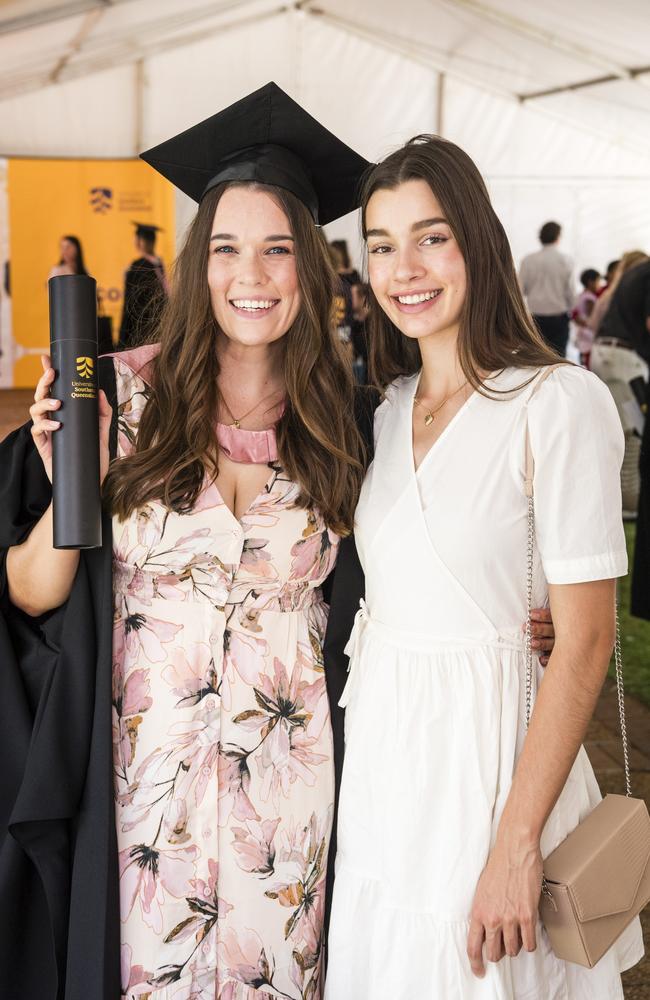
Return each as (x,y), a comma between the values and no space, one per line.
(94,200)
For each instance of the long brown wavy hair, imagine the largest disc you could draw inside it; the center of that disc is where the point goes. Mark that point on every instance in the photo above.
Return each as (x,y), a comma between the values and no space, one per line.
(496,329)
(319,445)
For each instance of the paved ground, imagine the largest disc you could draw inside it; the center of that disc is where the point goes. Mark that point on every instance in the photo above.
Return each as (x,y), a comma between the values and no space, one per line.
(603,740)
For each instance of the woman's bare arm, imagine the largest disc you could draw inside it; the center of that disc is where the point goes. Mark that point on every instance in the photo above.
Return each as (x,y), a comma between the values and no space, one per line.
(583,614)
(39,576)
(504,913)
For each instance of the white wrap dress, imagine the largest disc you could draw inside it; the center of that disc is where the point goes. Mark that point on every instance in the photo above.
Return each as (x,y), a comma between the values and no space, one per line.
(435,695)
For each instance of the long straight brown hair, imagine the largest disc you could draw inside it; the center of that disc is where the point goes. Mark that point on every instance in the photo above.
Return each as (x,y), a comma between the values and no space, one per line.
(496,329)
(319,445)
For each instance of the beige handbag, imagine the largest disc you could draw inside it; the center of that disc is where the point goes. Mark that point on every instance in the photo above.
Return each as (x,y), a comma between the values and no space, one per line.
(598,879)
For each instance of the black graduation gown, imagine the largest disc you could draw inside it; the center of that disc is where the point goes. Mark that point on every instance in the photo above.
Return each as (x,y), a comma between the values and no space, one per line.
(144,295)
(347,587)
(59,910)
(59,883)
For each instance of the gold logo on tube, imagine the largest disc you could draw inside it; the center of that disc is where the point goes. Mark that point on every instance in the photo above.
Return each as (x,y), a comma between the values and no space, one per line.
(85,367)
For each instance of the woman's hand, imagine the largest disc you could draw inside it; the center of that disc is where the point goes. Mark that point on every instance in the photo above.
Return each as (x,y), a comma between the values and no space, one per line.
(44,409)
(543,633)
(504,911)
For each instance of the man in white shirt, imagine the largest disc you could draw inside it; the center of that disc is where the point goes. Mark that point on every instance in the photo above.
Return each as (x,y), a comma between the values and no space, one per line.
(546,281)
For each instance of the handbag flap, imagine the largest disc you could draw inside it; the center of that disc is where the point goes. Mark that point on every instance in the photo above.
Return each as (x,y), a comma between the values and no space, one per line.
(603,860)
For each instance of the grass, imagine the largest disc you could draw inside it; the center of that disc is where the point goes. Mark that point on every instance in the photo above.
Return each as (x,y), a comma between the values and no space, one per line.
(635,635)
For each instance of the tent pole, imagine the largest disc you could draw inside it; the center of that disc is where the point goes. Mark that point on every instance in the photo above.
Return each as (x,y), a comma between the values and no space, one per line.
(139,106)
(59,12)
(296,19)
(76,44)
(635,73)
(440,105)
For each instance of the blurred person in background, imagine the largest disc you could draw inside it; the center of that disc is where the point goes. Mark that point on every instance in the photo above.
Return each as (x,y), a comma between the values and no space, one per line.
(145,289)
(626,316)
(625,373)
(590,280)
(72,258)
(359,339)
(343,264)
(72,262)
(547,283)
(610,274)
(625,264)
(343,314)
(625,329)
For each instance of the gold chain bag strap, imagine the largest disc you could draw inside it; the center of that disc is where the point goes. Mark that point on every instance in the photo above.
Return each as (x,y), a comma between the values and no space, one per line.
(598,879)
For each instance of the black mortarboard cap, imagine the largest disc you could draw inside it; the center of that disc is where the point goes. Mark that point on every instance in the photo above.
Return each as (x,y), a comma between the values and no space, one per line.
(146,230)
(265,137)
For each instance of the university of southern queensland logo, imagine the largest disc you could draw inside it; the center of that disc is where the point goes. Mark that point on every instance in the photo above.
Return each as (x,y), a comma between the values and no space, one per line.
(85,367)
(101,199)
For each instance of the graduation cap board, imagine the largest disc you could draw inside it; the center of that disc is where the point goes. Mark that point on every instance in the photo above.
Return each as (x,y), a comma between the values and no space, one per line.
(265,137)
(146,230)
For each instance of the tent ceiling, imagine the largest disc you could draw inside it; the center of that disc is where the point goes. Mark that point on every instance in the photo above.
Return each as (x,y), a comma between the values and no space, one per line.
(110,34)
(584,64)
(17,15)
(103,79)
(554,45)
(520,49)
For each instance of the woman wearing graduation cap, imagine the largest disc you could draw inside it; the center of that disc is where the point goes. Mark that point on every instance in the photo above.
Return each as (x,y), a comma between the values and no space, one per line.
(194,831)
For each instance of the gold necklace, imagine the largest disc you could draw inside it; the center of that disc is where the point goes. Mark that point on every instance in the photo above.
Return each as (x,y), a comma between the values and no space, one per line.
(430,415)
(236,421)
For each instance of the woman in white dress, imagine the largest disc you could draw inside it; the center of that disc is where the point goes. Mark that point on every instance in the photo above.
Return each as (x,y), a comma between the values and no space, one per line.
(445,811)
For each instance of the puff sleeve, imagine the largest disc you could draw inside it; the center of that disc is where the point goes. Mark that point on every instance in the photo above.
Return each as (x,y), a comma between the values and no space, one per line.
(578,444)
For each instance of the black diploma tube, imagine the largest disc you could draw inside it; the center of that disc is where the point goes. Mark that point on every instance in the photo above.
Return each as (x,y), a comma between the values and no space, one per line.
(76,498)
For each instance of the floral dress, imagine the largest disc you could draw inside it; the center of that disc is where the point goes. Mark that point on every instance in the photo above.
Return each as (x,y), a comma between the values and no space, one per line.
(222,743)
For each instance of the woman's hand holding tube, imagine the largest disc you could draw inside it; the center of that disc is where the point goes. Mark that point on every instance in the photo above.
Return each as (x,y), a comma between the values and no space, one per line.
(44,414)
(39,576)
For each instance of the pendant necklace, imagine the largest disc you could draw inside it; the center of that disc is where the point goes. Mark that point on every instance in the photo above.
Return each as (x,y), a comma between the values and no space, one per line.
(430,415)
(236,421)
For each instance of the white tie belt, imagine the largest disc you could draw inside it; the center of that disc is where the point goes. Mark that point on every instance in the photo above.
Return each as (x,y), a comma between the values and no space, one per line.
(403,639)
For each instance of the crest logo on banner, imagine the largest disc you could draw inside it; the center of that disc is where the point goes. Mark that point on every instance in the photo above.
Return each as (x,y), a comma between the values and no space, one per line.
(101,199)
(93,199)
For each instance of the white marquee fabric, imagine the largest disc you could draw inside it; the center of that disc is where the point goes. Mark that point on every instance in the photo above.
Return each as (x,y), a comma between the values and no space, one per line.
(102,78)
